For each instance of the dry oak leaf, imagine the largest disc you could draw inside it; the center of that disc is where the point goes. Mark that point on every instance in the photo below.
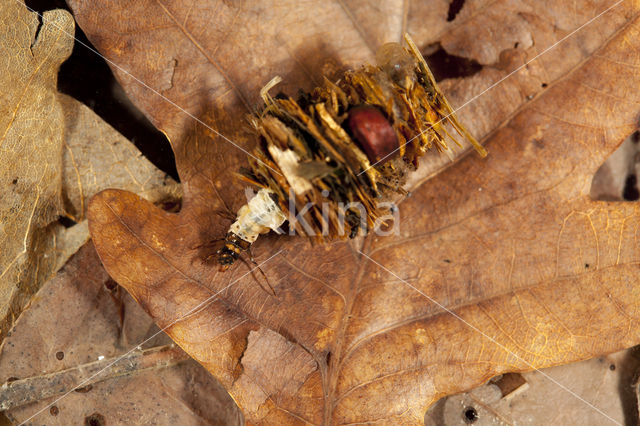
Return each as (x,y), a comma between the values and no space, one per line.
(536,272)
(55,153)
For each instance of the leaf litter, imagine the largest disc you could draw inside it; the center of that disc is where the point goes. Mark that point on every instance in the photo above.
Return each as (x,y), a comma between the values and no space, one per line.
(515,271)
(79,318)
(56,153)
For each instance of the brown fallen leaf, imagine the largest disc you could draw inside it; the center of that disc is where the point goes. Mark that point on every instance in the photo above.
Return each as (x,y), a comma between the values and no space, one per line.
(56,153)
(80,318)
(96,156)
(32,126)
(535,272)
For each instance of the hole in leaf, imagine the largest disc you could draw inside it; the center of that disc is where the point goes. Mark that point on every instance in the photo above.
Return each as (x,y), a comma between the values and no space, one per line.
(104,95)
(470,415)
(96,419)
(110,284)
(443,65)
(454,8)
(543,85)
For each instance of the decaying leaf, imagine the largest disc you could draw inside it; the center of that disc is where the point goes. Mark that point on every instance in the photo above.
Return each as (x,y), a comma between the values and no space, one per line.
(55,154)
(96,156)
(32,125)
(536,273)
(81,317)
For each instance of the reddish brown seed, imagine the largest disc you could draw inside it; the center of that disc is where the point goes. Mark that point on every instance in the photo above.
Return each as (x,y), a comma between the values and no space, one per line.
(373,133)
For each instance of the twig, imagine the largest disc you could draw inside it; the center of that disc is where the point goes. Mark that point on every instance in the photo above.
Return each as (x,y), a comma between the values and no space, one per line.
(24,391)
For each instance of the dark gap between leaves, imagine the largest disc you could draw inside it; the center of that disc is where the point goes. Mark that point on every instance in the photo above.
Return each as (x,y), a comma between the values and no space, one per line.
(66,221)
(37,33)
(104,95)
(444,65)
(630,191)
(454,8)
(605,186)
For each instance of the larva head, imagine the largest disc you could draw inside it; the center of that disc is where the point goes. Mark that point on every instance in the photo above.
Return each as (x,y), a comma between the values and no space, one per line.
(233,246)
(372,132)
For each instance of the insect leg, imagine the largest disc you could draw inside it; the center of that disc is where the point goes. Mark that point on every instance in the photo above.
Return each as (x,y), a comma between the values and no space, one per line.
(270,290)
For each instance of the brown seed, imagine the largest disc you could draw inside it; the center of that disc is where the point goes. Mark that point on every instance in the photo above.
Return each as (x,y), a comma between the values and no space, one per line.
(59,355)
(372,132)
